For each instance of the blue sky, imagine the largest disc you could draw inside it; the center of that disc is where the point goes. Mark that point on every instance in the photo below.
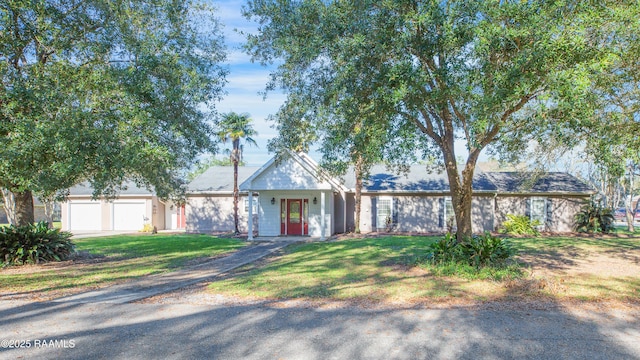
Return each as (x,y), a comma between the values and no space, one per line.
(246,81)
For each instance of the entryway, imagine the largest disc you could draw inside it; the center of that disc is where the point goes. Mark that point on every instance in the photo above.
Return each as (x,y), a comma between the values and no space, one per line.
(294,217)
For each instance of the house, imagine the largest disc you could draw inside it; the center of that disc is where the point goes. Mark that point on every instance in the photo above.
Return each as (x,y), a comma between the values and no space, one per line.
(293,196)
(133,208)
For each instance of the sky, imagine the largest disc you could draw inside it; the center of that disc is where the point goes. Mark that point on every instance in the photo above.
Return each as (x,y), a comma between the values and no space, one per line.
(246,83)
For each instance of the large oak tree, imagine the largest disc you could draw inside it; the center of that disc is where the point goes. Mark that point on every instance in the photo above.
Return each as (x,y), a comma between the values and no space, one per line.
(492,74)
(104,91)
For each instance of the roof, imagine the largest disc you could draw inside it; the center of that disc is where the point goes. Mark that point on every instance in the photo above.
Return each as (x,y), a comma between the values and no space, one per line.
(527,182)
(128,188)
(416,179)
(302,159)
(219,179)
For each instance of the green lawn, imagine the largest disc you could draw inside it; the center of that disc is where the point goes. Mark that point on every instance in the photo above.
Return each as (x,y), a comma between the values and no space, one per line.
(379,270)
(114,259)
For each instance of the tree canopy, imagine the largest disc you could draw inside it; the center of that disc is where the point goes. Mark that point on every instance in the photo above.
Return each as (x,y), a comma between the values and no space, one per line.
(492,74)
(103,91)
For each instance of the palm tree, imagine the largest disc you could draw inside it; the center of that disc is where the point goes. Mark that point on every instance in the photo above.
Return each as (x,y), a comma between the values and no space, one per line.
(234,127)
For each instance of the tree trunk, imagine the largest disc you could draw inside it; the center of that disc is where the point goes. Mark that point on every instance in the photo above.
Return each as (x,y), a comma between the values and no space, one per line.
(631,210)
(358,196)
(235,158)
(461,188)
(24,208)
(48,211)
(9,204)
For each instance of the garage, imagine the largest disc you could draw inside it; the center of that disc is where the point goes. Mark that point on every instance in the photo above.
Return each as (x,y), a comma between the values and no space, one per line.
(85,216)
(129,215)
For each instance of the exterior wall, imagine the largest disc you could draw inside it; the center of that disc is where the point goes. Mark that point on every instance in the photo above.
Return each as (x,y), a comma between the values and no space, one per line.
(339,203)
(562,211)
(287,175)
(107,221)
(214,213)
(482,213)
(418,213)
(157,212)
(269,219)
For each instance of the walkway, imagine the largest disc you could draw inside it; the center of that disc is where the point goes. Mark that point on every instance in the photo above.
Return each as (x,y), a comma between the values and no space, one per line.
(162,283)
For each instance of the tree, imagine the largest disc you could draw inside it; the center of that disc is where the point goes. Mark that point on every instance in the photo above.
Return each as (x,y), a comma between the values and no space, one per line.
(235,127)
(611,139)
(201,166)
(492,74)
(104,91)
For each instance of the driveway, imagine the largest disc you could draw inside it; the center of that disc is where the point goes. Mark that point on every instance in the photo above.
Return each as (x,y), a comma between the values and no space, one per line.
(263,331)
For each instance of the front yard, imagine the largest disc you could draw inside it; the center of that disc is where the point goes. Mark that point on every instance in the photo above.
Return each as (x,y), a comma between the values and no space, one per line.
(387,270)
(110,260)
(380,270)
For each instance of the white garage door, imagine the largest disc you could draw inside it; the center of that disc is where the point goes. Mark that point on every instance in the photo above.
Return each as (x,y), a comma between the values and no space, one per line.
(85,216)
(129,215)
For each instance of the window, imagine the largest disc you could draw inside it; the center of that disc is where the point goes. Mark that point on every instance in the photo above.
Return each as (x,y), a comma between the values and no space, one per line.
(384,212)
(538,210)
(255,205)
(449,215)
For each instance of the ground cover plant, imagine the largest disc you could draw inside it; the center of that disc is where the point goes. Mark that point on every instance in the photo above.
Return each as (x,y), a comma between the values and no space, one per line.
(113,259)
(395,269)
(33,243)
(520,225)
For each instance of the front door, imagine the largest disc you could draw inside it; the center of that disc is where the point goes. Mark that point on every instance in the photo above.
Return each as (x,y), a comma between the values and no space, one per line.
(294,217)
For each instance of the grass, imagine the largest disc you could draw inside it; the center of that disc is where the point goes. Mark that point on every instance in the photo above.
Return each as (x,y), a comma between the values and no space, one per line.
(382,270)
(113,259)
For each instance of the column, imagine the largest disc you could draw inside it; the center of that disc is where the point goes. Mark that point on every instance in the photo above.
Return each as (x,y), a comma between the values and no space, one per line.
(322,237)
(250,225)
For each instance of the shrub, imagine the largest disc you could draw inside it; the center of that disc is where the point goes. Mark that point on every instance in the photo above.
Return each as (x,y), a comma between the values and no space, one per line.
(520,225)
(31,244)
(594,218)
(478,251)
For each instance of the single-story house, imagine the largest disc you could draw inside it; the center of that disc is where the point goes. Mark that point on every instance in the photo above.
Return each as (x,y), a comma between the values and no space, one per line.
(130,211)
(293,196)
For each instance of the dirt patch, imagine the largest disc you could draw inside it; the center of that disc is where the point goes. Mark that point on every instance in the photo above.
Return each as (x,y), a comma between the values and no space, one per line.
(575,261)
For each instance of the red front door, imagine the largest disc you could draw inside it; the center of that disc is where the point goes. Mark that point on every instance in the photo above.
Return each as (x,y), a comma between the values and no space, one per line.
(294,217)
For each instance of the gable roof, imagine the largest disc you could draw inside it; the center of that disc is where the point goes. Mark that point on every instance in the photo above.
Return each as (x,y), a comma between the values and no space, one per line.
(313,173)
(526,182)
(219,179)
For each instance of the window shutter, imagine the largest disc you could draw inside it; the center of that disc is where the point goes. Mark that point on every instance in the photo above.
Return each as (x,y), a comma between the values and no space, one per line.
(394,206)
(549,215)
(441,213)
(527,211)
(374,213)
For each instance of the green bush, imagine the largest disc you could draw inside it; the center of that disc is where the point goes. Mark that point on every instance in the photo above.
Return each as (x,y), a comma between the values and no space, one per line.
(594,218)
(478,251)
(520,225)
(32,244)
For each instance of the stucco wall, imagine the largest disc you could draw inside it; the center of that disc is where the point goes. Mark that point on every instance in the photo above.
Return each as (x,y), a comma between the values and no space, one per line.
(214,213)
(563,210)
(418,213)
